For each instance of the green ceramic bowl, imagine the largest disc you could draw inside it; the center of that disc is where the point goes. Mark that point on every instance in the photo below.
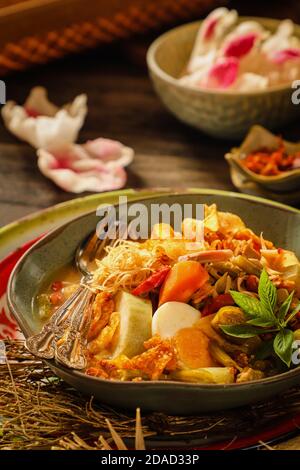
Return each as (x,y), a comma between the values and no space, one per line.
(221,114)
(278,222)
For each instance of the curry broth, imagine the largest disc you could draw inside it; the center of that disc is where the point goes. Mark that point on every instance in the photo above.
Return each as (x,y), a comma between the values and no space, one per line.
(68,279)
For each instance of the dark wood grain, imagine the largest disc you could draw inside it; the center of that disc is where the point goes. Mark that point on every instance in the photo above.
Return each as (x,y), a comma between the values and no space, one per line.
(123,106)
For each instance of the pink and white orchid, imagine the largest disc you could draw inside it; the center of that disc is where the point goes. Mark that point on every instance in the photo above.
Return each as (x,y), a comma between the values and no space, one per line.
(95,166)
(41,123)
(282,38)
(210,35)
(242,57)
(282,46)
(284,55)
(240,46)
(242,39)
(223,73)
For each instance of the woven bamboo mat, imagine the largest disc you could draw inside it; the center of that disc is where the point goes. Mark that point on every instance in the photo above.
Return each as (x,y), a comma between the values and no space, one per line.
(38,31)
(38,410)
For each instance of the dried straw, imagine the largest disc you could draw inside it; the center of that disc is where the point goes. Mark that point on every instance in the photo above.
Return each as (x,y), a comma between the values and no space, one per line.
(40,411)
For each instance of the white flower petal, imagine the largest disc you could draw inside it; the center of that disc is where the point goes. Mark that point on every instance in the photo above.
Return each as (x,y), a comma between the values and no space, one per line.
(202,62)
(112,152)
(249,27)
(38,101)
(282,39)
(251,81)
(95,166)
(211,33)
(223,73)
(52,127)
(196,78)
(78,107)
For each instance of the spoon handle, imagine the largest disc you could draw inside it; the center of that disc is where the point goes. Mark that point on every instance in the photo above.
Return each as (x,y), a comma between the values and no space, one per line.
(42,344)
(71,347)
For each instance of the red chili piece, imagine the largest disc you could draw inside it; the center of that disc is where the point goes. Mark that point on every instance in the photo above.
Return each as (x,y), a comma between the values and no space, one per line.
(213,305)
(154,281)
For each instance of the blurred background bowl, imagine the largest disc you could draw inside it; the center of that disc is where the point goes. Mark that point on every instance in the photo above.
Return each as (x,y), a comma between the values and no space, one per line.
(224,114)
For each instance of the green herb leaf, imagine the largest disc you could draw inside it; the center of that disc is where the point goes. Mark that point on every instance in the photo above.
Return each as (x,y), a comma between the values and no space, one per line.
(294,312)
(242,330)
(250,305)
(263,322)
(285,307)
(283,344)
(267,294)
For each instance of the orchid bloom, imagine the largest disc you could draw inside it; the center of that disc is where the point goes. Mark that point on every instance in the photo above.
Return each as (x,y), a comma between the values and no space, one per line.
(242,57)
(240,46)
(40,123)
(281,39)
(280,57)
(223,73)
(95,166)
(242,39)
(209,36)
(282,46)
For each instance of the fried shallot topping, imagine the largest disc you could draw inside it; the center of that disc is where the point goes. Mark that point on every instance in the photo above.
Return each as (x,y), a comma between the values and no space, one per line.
(160,356)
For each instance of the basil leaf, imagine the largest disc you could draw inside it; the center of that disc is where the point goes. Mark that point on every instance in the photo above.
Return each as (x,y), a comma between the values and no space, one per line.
(267,294)
(250,305)
(294,312)
(283,344)
(285,307)
(241,331)
(263,322)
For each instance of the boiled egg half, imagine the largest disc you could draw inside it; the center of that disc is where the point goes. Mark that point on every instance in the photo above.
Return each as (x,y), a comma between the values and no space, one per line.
(172,317)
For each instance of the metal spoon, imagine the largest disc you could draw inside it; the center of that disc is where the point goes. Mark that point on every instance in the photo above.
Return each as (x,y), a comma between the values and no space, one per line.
(64,336)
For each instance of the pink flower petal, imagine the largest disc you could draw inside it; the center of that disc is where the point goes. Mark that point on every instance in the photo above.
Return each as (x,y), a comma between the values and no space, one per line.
(80,175)
(240,46)
(284,55)
(31,112)
(224,73)
(66,160)
(296,164)
(209,28)
(104,148)
(74,169)
(109,151)
(41,123)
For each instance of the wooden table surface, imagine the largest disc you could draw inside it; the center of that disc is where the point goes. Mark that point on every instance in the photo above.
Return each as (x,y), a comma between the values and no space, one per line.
(123,106)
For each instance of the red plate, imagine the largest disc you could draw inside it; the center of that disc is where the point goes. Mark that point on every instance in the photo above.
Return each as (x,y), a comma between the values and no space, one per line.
(8,326)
